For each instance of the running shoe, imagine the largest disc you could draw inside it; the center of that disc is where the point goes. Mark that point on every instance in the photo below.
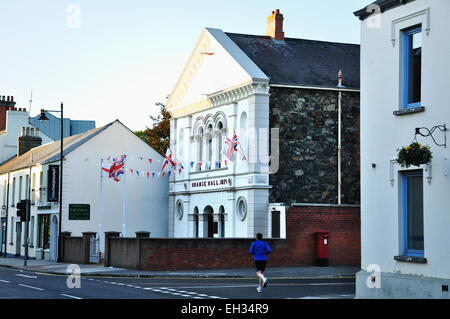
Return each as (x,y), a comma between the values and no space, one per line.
(265,281)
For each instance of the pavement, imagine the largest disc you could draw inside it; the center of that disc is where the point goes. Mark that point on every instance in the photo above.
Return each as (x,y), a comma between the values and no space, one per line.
(51,267)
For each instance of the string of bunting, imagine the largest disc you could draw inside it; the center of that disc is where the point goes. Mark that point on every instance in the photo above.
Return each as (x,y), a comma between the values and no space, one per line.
(115,166)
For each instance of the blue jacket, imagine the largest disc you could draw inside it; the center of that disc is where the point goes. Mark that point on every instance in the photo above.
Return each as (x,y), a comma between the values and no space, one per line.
(259,249)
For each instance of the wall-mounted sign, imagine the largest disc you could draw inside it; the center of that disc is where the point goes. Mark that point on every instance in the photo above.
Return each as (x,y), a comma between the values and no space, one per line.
(212,183)
(53,183)
(79,212)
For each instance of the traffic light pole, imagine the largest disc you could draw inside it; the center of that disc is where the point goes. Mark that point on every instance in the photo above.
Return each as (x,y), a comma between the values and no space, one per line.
(27,220)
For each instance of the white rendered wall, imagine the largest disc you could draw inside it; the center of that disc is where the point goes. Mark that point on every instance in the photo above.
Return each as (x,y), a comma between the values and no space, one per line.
(382,133)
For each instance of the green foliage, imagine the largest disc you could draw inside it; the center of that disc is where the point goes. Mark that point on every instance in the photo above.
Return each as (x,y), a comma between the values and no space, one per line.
(158,136)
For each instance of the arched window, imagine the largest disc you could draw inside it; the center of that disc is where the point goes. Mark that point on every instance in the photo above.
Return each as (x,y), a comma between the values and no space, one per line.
(219,156)
(200,145)
(209,143)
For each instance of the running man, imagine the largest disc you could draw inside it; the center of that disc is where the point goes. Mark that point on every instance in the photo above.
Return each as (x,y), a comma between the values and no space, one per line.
(260,249)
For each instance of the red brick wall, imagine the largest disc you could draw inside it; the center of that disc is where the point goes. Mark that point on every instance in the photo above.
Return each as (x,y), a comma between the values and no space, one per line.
(298,249)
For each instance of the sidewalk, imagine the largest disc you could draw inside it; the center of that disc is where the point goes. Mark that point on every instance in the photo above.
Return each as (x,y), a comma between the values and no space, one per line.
(51,267)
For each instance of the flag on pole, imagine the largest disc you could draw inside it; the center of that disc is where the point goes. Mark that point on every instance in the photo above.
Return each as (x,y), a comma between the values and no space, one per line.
(168,159)
(115,169)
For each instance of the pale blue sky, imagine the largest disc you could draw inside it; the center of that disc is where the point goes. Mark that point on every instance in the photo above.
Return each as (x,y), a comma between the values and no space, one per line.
(127,55)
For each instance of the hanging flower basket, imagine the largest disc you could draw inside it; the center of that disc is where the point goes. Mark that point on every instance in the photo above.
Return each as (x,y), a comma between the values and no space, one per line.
(414,154)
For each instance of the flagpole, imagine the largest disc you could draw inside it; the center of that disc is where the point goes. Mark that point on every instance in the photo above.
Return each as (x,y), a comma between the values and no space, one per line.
(100,213)
(124,195)
(242,149)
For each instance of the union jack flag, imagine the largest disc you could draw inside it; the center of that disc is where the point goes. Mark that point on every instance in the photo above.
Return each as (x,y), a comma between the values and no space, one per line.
(116,168)
(168,159)
(231,146)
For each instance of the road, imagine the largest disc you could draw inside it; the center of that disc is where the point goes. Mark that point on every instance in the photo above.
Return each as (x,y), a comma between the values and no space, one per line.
(17,284)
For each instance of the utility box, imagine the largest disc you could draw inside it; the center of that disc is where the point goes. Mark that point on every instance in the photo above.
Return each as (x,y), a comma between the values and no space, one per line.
(322,248)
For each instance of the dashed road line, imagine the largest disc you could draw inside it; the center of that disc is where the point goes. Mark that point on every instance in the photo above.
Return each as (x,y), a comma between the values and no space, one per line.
(5,281)
(30,287)
(70,296)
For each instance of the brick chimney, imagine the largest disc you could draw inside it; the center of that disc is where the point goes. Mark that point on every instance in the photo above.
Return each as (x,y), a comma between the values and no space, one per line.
(275,25)
(6,103)
(28,139)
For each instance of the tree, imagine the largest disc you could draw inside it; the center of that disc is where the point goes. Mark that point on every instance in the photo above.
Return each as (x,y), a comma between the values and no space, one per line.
(158,137)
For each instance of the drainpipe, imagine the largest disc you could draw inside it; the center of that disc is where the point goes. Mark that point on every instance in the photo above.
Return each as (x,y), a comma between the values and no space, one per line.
(339,135)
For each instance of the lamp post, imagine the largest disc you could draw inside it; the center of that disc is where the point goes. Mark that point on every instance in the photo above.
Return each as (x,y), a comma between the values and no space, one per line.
(45,118)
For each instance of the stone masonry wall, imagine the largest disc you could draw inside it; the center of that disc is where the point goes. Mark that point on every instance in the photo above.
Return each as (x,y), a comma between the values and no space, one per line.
(308,124)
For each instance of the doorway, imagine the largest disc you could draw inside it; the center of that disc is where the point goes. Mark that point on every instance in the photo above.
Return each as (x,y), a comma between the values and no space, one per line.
(275,224)
(54,239)
(209,225)
(18,238)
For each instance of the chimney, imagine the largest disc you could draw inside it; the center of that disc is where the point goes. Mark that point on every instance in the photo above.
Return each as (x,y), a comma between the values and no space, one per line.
(6,102)
(28,139)
(275,25)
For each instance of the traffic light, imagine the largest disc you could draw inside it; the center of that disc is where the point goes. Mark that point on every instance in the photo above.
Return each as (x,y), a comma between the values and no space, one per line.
(22,210)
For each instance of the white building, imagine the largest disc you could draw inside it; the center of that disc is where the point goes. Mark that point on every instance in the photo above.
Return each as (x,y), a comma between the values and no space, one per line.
(13,119)
(405,215)
(234,196)
(102,199)
(223,90)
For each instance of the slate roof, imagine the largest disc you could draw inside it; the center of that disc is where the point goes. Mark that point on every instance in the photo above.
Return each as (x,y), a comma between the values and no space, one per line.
(302,62)
(384,6)
(49,152)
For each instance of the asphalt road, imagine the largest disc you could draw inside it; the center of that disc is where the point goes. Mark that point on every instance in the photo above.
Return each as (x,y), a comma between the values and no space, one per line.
(17,284)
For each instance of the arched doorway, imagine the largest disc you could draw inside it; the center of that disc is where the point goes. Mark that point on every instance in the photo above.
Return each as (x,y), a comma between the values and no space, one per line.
(221,222)
(195,222)
(208,227)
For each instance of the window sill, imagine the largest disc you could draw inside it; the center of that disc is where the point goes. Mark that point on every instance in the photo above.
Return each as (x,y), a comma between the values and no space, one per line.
(411,110)
(411,259)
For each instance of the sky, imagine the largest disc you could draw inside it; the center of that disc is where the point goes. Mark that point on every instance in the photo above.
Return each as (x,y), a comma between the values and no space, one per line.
(114,59)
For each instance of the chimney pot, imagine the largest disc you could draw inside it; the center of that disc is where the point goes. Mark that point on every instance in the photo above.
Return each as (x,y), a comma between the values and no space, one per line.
(275,25)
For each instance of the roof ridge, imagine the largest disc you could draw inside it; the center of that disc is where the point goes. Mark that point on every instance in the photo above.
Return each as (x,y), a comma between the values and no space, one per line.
(293,39)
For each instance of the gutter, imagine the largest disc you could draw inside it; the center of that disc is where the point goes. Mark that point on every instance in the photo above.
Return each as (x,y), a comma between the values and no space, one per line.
(382,6)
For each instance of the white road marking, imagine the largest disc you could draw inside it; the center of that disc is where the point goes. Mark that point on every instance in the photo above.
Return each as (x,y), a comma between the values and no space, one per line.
(26,276)
(69,296)
(5,281)
(30,287)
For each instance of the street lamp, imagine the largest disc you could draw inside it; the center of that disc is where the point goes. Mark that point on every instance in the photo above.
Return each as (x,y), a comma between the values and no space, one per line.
(43,117)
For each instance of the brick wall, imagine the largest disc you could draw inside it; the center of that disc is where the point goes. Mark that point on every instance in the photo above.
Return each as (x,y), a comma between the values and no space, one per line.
(298,249)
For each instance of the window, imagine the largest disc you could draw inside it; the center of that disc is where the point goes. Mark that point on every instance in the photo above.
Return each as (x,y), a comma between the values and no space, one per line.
(13,195)
(5,187)
(41,187)
(241,208)
(209,142)
(27,187)
(20,188)
(413,213)
(412,67)
(33,188)
(179,211)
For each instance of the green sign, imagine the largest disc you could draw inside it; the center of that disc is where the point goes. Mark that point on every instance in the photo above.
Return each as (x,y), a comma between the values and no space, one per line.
(79,212)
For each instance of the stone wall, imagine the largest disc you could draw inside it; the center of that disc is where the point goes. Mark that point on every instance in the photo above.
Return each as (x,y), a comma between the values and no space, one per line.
(308,124)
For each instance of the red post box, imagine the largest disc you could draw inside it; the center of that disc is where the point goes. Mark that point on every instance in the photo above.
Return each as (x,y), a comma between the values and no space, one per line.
(322,248)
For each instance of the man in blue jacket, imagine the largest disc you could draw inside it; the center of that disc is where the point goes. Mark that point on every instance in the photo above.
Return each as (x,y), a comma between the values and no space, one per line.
(260,249)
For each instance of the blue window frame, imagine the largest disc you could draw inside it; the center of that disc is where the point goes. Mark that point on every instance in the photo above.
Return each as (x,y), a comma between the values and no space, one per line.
(413,241)
(412,65)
